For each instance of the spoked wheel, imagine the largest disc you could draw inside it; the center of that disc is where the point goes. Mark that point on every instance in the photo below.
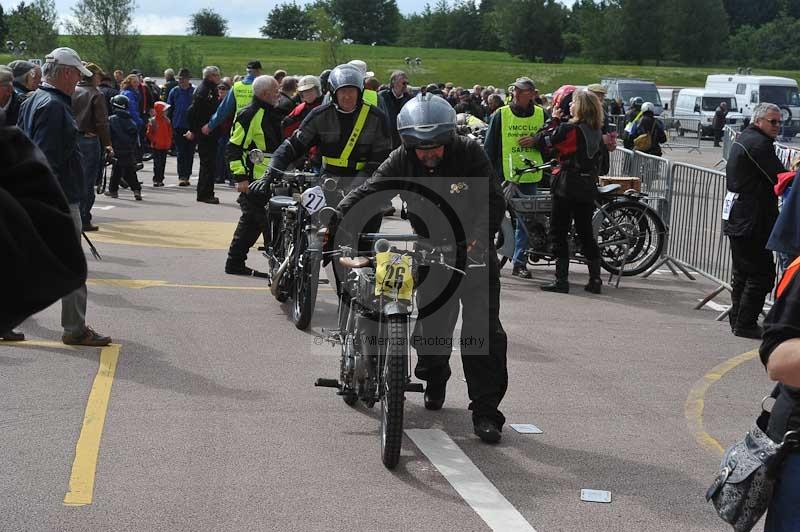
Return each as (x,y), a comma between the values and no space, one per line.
(631,237)
(393,382)
(349,395)
(305,287)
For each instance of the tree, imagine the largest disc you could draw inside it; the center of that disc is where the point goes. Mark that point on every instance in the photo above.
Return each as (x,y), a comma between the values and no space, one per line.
(643,22)
(329,33)
(208,22)
(35,23)
(102,31)
(540,41)
(288,21)
(3,26)
(698,30)
(750,13)
(368,21)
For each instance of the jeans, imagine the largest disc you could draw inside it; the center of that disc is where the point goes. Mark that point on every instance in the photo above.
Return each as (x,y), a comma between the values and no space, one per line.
(185,150)
(73,305)
(520,233)
(91,154)
(784,509)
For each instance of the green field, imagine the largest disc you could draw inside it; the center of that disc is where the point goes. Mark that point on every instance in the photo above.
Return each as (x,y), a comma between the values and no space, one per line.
(462,67)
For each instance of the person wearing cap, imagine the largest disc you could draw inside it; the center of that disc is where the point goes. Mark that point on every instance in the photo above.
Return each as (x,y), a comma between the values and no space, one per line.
(10,101)
(27,77)
(310,91)
(169,83)
(94,139)
(279,75)
(509,140)
(240,96)
(350,133)
(392,100)
(370,95)
(47,118)
(179,101)
(205,102)
(257,126)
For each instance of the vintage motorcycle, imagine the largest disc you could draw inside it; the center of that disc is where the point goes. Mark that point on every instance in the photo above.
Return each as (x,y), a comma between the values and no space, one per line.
(630,234)
(375,308)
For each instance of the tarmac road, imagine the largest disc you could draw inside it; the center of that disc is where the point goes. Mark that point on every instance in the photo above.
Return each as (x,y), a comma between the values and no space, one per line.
(212,422)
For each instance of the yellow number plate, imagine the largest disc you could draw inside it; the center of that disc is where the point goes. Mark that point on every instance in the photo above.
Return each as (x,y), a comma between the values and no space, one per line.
(393,276)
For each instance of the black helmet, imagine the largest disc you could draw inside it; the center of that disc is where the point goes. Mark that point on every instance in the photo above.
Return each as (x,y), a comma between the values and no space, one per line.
(120,101)
(637,101)
(426,121)
(323,79)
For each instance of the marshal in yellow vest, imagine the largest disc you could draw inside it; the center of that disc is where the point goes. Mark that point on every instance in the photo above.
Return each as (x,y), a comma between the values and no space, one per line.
(243,93)
(515,127)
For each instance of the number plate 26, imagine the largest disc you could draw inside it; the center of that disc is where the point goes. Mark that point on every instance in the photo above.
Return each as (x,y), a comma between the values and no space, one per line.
(393,277)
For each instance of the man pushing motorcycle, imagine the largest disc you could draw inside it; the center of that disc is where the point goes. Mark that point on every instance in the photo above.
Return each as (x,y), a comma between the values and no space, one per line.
(453,199)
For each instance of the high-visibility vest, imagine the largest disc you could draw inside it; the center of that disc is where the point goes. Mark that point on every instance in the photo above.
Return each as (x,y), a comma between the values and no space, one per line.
(515,127)
(371,97)
(788,275)
(343,161)
(243,94)
(253,136)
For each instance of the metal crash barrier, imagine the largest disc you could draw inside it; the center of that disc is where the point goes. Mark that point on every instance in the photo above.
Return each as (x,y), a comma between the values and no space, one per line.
(679,139)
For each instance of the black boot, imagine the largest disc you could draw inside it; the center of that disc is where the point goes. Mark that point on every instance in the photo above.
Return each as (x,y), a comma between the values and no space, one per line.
(434,394)
(750,307)
(595,284)
(560,285)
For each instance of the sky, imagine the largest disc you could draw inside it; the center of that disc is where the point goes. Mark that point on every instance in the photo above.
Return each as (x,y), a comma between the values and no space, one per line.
(245,17)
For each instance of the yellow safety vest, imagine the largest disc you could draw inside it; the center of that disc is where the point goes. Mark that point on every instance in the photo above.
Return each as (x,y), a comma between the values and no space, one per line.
(515,127)
(254,136)
(343,161)
(243,94)
(371,97)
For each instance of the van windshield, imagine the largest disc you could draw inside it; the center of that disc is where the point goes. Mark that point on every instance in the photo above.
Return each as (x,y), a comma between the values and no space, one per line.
(779,95)
(645,91)
(710,103)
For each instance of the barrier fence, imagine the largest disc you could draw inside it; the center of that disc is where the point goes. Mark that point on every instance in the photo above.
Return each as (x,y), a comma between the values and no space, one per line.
(688,130)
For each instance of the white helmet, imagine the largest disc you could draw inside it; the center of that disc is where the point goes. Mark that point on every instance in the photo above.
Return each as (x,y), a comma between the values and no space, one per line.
(647,106)
(309,82)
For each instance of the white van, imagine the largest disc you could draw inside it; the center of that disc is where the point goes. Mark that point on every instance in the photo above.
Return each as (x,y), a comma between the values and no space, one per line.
(752,90)
(700,104)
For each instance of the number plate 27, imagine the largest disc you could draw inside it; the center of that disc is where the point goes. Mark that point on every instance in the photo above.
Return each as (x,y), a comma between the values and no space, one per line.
(393,277)
(313,199)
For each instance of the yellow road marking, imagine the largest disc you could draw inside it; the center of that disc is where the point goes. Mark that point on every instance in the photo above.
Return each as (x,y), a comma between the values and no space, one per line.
(168,234)
(695,402)
(81,481)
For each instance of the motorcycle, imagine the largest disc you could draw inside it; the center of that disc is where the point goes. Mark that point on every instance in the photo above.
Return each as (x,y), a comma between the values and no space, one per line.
(375,308)
(630,234)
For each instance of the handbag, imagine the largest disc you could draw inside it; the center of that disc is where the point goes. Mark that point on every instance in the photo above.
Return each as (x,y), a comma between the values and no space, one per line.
(743,488)
(644,141)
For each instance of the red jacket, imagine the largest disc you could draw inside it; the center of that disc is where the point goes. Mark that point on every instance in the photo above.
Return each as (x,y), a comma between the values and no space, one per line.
(159,128)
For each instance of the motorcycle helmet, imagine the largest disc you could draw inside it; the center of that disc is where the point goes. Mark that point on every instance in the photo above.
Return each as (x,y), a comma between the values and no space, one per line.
(345,76)
(426,121)
(636,101)
(562,98)
(120,101)
(323,80)
(647,106)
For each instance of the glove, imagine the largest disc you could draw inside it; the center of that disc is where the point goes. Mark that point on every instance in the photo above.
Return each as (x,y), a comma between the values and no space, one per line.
(510,189)
(259,187)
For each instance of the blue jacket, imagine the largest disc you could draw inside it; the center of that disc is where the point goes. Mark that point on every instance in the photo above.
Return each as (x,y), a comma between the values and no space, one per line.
(46,117)
(124,137)
(785,237)
(133,105)
(179,101)
(228,105)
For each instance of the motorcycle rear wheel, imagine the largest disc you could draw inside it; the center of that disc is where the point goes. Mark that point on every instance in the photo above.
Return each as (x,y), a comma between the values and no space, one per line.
(393,380)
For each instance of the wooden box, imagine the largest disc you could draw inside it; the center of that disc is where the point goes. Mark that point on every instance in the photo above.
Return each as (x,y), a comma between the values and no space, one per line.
(626,183)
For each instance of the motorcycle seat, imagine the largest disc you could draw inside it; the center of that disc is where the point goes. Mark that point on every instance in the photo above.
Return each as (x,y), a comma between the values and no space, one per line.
(609,189)
(281,202)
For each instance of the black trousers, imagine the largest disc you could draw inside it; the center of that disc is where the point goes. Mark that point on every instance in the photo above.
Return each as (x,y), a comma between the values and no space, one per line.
(126,172)
(159,163)
(753,279)
(564,212)
(252,224)
(207,149)
(717,136)
(185,151)
(483,341)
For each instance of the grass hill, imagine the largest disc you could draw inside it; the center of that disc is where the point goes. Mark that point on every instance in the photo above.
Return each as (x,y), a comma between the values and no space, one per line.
(462,67)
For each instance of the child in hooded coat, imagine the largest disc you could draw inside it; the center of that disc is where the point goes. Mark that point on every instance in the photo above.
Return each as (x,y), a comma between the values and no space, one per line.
(159,133)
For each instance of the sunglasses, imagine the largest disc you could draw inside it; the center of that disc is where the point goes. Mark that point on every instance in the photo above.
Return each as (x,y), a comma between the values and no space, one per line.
(774,122)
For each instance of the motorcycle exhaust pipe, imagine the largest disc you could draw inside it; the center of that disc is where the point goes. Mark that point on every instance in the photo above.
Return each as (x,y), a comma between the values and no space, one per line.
(277,278)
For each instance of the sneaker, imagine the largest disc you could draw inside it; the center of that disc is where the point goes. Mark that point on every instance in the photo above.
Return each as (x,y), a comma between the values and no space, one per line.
(157,184)
(88,338)
(12,336)
(183,182)
(521,272)
(487,430)
(138,195)
(111,194)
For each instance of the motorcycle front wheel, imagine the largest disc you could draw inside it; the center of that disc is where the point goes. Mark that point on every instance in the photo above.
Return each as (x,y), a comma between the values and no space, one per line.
(393,381)
(305,288)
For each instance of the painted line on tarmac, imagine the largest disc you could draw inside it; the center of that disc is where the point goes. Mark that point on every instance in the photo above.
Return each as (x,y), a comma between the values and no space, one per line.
(695,402)
(81,481)
(473,486)
(99,208)
(138,284)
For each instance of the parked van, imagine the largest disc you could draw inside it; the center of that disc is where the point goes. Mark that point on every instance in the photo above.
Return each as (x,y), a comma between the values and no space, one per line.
(668,97)
(752,90)
(701,104)
(625,89)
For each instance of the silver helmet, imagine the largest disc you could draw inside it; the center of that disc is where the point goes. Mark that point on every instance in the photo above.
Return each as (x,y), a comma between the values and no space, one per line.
(426,121)
(345,76)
